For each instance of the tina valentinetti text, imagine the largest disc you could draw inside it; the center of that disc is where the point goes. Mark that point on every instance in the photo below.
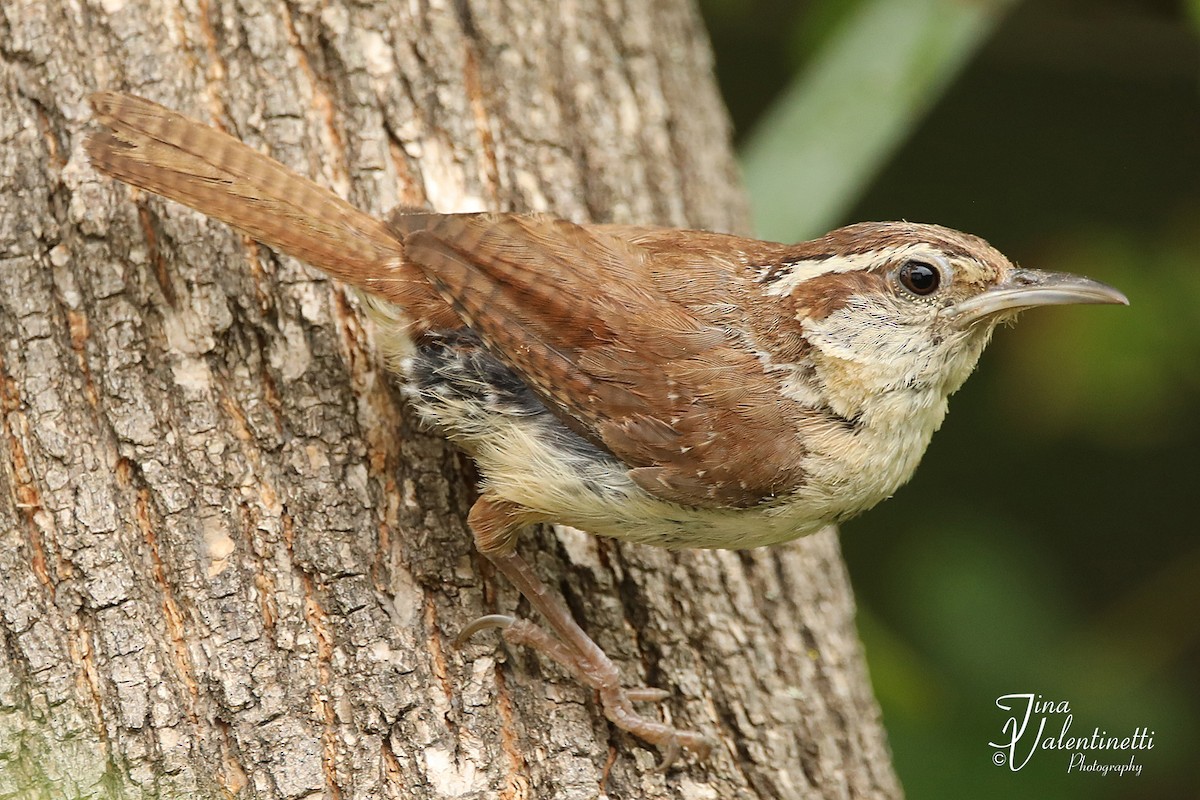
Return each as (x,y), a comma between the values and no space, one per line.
(1025,732)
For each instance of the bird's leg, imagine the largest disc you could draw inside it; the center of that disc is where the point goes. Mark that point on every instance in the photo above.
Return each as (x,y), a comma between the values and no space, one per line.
(494,523)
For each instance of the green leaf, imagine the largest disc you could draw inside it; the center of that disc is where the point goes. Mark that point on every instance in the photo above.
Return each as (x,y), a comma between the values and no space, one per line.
(835,126)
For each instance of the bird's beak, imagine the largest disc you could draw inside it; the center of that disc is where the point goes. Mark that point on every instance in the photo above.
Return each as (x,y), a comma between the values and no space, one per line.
(1026,288)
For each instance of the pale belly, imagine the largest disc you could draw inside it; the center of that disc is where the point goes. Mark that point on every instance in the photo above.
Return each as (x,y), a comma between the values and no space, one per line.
(528,457)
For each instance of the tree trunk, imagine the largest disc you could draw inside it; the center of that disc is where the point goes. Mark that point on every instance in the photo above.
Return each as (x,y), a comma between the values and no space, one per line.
(231,565)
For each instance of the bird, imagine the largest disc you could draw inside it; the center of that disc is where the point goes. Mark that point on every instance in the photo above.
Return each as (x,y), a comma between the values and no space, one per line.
(675,388)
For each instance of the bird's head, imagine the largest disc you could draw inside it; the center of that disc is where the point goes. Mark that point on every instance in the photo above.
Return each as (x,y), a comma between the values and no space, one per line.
(897,305)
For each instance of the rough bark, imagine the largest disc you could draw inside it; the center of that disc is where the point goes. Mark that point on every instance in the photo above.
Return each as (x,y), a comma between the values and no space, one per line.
(230,565)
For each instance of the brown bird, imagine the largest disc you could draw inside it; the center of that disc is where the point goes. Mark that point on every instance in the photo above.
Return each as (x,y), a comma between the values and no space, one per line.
(670,387)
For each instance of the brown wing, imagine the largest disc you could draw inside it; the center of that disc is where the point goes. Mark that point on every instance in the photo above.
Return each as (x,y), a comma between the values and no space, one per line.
(640,368)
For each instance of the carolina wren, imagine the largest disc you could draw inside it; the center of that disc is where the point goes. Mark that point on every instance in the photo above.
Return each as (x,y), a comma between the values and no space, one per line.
(669,387)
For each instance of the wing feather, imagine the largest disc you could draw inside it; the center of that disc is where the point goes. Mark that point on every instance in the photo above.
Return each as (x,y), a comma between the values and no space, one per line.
(640,366)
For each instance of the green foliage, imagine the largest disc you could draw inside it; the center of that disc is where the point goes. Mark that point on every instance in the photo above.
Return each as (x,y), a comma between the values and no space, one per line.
(1126,380)
(881,65)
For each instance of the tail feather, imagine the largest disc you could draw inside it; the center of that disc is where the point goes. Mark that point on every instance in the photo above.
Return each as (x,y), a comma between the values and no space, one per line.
(159,150)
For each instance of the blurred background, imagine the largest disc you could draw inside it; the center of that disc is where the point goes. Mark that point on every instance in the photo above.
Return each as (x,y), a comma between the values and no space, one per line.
(1048,544)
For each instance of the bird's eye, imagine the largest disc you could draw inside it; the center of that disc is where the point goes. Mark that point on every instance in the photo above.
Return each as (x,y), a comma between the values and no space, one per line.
(920,278)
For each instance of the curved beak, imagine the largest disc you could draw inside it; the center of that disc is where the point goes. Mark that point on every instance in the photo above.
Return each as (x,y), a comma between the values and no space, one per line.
(1026,288)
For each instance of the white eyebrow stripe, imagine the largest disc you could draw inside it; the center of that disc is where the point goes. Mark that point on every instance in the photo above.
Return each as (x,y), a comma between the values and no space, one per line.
(797,272)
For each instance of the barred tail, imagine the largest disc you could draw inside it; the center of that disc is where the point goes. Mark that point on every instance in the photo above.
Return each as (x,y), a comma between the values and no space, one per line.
(164,152)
